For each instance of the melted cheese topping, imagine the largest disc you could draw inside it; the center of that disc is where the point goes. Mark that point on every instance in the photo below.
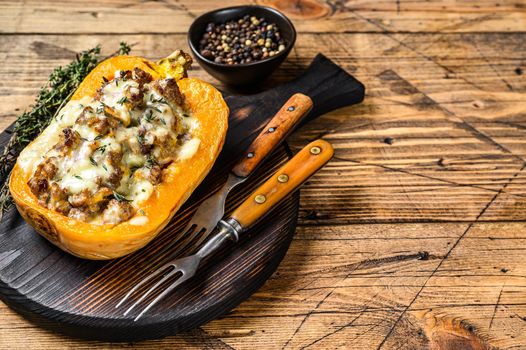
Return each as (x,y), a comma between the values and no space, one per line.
(161,126)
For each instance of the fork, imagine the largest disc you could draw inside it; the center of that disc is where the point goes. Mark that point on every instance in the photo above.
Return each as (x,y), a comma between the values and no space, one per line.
(286,180)
(275,131)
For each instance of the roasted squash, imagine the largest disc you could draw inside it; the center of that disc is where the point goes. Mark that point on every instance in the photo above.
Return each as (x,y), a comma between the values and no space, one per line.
(180,178)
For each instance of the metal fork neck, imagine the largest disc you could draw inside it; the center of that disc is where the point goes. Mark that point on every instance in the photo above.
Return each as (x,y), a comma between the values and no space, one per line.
(229,230)
(232,228)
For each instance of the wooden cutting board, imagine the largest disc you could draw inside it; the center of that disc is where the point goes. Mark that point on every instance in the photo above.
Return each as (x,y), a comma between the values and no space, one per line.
(77,297)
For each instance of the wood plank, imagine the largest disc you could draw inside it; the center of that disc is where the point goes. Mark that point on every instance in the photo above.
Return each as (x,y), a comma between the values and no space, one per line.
(126,16)
(484,277)
(346,286)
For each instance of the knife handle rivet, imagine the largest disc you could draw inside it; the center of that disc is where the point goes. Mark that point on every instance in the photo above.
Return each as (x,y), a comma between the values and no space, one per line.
(291,108)
(260,199)
(250,155)
(283,178)
(271,129)
(315,150)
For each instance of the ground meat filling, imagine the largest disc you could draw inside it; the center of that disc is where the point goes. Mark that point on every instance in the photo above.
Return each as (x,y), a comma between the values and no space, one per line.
(169,90)
(68,140)
(141,76)
(117,211)
(115,152)
(102,126)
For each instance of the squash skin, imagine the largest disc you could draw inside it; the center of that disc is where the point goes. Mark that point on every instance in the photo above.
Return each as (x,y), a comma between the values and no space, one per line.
(101,242)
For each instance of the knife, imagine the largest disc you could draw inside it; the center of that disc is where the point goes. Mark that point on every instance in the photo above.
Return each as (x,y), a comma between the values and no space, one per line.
(277,129)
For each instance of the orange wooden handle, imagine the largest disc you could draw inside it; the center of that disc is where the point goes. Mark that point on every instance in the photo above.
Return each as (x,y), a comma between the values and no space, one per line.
(273,133)
(287,179)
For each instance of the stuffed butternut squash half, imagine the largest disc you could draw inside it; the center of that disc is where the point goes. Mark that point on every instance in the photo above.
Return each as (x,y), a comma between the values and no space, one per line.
(121,157)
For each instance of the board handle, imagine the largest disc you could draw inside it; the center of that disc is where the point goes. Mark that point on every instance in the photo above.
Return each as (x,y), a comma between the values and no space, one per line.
(273,133)
(287,179)
(329,86)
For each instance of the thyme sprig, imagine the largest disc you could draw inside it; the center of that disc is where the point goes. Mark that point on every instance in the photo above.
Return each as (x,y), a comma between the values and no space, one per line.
(61,85)
(119,197)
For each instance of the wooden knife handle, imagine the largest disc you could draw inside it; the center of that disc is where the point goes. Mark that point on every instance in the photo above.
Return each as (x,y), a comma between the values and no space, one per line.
(287,179)
(273,133)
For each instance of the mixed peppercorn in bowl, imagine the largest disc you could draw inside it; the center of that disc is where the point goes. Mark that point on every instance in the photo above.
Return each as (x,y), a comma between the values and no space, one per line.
(241,45)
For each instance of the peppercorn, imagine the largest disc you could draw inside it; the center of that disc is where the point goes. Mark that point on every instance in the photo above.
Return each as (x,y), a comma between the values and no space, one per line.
(242,40)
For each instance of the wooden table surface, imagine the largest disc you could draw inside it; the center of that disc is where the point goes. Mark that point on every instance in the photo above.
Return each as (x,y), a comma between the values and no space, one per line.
(414,235)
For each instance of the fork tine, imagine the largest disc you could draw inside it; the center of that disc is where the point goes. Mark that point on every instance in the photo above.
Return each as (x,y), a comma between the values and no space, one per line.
(162,295)
(154,287)
(189,228)
(211,210)
(190,233)
(184,244)
(142,282)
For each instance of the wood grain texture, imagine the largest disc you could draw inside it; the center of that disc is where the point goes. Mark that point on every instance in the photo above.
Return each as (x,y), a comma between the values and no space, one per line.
(413,236)
(168,16)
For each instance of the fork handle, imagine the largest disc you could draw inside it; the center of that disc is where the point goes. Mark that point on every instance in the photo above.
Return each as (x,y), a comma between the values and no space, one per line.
(273,133)
(287,179)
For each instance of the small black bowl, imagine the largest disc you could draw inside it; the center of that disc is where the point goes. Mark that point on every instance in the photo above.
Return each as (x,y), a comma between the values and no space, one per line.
(247,73)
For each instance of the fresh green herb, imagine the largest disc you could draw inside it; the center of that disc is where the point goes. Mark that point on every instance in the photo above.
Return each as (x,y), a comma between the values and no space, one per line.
(150,162)
(148,116)
(104,167)
(120,197)
(98,137)
(124,48)
(186,115)
(162,121)
(157,110)
(101,149)
(157,100)
(77,177)
(141,212)
(100,108)
(122,100)
(92,161)
(140,139)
